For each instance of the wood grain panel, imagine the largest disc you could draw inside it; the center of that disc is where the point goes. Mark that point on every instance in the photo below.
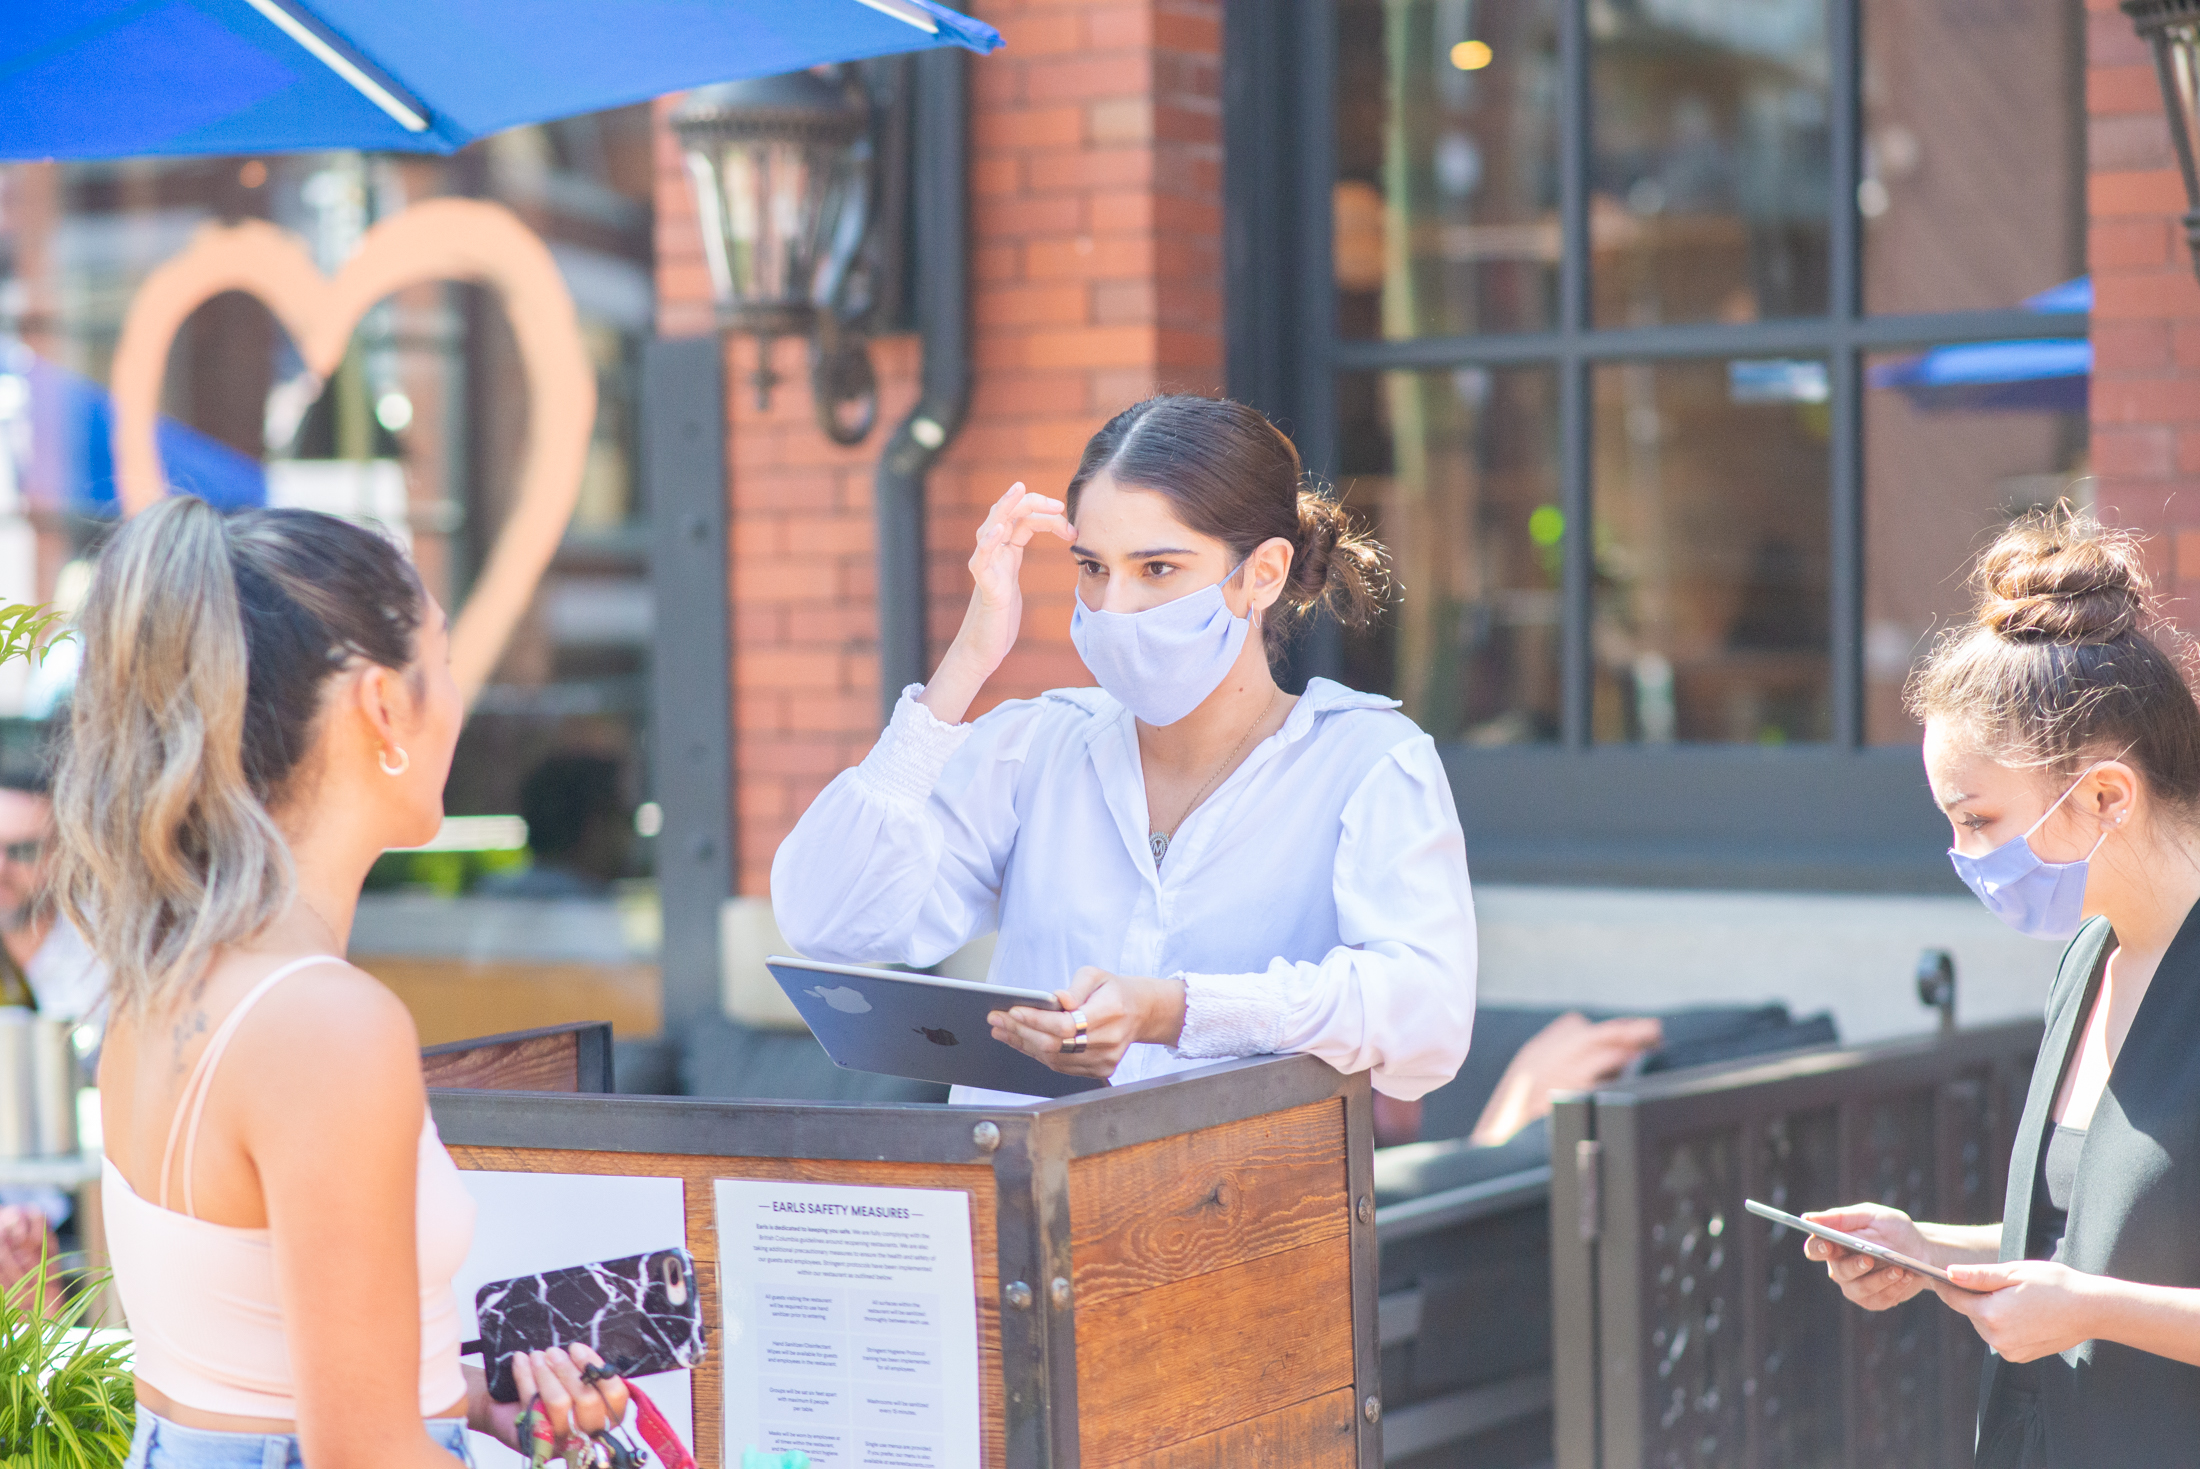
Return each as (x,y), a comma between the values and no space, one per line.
(1143,1216)
(1317,1434)
(543,1063)
(702,1243)
(1159,1367)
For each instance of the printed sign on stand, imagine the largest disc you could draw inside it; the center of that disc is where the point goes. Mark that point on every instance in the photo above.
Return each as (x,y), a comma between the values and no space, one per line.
(851,1324)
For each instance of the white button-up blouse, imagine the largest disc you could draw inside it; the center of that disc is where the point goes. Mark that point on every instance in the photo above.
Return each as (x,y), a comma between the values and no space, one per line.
(1316,901)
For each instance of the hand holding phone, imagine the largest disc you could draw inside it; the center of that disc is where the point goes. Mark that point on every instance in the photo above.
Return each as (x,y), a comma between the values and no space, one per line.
(639,1315)
(1866,1288)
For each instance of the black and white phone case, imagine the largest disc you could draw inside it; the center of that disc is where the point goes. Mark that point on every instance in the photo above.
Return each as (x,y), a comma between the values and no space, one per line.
(642,1314)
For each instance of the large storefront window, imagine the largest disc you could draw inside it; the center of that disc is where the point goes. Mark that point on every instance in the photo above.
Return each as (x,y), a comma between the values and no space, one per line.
(1447,174)
(1683,350)
(1459,473)
(1710,179)
(1711,552)
(1973,162)
(1946,465)
(418,431)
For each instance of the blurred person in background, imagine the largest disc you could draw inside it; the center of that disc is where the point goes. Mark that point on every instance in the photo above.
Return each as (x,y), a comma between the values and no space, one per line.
(1571,1054)
(579,829)
(65,982)
(66,979)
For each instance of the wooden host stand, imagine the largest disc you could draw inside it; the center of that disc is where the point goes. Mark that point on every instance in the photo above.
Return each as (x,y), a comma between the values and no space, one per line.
(1176,1273)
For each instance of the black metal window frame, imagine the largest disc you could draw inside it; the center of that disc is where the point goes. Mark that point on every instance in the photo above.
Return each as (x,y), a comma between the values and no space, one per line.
(1856,806)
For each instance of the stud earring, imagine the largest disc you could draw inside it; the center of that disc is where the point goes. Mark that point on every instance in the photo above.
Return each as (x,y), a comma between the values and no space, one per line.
(404,761)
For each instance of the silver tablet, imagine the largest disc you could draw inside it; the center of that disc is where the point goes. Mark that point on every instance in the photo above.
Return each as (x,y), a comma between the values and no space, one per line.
(919,1025)
(1849,1241)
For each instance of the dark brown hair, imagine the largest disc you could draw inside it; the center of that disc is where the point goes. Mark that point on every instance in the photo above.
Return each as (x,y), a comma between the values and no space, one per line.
(1227,472)
(206,646)
(2057,666)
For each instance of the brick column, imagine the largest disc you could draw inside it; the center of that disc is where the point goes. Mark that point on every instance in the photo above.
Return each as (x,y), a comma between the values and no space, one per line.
(2146,309)
(1096,250)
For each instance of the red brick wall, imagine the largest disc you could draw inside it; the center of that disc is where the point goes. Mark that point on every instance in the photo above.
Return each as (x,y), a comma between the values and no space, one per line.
(1096,265)
(2146,308)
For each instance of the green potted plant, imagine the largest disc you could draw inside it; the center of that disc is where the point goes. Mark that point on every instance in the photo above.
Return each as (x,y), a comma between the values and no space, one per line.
(66,1397)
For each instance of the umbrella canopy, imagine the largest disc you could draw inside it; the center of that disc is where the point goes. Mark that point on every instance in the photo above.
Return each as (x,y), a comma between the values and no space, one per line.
(119,78)
(2041,374)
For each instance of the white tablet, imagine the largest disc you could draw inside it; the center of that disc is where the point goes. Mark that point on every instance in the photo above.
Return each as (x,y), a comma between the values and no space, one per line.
(919,1025)
(1849,1241)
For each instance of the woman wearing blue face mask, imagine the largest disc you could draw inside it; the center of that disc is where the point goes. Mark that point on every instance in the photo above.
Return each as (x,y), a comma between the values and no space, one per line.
(2064,745)
(1201,864)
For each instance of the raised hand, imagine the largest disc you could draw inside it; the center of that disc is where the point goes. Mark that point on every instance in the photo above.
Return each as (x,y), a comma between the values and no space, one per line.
(996,610)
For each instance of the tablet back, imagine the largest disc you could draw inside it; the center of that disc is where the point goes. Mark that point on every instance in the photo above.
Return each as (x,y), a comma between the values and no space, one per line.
(912,1025)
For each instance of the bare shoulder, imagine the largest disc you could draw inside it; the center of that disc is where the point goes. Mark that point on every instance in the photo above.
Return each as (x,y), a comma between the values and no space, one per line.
(334,1026)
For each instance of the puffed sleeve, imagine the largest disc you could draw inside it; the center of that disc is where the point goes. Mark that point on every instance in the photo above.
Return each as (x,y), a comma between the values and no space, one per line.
(1396,996)
(899,860)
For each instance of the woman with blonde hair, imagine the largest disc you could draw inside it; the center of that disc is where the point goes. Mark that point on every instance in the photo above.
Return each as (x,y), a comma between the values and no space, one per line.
(2063,743)
(265,705)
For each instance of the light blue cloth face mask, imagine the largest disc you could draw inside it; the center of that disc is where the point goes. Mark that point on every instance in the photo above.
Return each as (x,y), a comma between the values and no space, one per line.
(1161,663)
(2037,898)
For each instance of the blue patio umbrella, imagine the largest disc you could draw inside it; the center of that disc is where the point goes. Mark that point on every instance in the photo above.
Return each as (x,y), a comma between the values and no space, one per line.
(72,467)
(118,78)
(2050,374)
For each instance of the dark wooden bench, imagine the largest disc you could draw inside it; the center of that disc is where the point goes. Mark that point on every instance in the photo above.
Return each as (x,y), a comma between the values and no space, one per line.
(556,1058)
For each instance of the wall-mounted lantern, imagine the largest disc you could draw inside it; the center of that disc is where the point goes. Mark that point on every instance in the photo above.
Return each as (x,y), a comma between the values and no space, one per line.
(2172,28)
(782,169)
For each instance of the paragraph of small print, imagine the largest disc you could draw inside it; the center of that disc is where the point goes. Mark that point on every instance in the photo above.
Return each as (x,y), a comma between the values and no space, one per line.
(851,1324)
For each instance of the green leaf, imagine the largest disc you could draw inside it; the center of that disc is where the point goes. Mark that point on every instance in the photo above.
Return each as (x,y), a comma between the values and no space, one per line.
(23,632)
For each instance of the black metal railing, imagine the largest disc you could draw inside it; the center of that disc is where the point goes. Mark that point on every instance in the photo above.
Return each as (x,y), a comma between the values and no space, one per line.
(1687,1332)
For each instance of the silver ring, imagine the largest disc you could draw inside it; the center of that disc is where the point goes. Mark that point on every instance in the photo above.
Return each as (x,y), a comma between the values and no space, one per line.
(1077,1044)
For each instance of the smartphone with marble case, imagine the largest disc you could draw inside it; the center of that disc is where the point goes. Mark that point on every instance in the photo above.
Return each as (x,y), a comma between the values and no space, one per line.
(642,1314)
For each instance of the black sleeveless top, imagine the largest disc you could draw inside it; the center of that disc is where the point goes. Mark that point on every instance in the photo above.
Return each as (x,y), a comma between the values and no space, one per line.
(2133,1213)
(2051,1199)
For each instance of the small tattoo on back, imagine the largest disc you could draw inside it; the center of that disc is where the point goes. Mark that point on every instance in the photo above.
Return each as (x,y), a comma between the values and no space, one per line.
(189,1026)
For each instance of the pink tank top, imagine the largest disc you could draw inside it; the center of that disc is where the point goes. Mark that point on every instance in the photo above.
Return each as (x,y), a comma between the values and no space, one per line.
(201,1296)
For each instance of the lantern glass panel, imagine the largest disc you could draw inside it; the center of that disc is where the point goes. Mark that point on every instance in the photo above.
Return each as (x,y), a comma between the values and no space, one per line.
(774,203)
(2180,53)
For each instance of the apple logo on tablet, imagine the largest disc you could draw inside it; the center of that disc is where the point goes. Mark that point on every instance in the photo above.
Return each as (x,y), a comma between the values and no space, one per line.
(841,998)
(936,1037)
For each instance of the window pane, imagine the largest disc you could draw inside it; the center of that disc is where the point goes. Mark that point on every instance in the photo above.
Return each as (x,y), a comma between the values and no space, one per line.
(1446,199)
(1711,546)
(1974,178)
(1458,471)
(1944,469)
(1711,172)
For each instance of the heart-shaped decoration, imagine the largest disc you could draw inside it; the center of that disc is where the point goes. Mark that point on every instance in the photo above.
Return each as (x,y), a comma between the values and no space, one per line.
(436,240)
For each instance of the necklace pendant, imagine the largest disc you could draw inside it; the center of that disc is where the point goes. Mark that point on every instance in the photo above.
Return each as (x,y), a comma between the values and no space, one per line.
(1159,842)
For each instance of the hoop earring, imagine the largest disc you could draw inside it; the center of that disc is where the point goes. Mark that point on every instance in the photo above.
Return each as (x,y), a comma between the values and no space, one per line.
(404,762)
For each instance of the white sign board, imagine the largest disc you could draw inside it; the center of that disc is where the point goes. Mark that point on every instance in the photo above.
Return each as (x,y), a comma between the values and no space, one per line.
(527,1223)
(851,1324)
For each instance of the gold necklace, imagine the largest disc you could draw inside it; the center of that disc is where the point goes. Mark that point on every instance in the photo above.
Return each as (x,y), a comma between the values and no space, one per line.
(1157,840)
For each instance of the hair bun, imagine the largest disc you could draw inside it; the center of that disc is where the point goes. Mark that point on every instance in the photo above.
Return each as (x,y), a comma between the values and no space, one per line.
(2060,577)
(1335,563)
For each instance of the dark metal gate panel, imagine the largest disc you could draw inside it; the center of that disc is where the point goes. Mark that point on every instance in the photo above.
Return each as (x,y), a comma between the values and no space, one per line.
(1688,1332)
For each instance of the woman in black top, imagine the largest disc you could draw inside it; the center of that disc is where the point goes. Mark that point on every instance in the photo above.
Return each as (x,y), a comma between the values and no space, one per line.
(2064,746)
